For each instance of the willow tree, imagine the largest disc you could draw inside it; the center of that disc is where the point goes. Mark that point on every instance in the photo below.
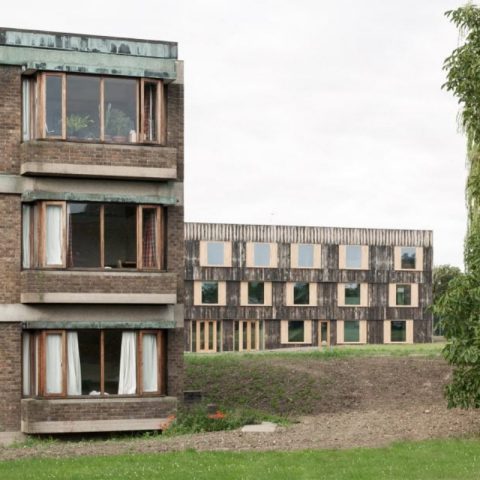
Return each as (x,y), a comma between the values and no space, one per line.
(459,307)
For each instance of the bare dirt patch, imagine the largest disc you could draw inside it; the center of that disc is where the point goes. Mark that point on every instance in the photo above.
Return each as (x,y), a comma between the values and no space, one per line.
(356,402)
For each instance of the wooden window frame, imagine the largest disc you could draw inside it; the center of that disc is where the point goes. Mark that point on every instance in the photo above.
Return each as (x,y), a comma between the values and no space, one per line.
(42,389)
(250,324)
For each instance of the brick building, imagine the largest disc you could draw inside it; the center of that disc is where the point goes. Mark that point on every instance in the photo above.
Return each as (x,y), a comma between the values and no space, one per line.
(91,242)
(253,287)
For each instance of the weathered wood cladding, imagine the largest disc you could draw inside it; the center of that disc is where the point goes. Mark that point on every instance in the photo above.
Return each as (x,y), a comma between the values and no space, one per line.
(380,273)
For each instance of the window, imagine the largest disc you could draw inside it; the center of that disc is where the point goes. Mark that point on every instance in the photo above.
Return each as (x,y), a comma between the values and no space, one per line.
(206,336)
(296,331)
(404,294)
(94,362)
(408,258)
(210,292)
(353,257)
(248,335)
(305,255)
(261,255)
(92,235)
(352,294)
(351,331)
(301,293)
(215,254)
(398,331)
(94,108)
(256,293)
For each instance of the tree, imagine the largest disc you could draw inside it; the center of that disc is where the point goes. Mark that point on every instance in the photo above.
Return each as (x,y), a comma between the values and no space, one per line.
(459,305)
(442,275)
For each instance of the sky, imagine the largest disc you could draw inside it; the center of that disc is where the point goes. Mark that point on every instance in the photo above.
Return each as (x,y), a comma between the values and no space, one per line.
(305,112)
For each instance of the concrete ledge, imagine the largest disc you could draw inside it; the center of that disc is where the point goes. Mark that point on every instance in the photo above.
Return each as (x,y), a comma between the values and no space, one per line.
(106,171)
(83,426)
(126,298)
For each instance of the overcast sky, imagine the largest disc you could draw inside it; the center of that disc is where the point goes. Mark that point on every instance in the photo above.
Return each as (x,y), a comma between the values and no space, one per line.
(305,112)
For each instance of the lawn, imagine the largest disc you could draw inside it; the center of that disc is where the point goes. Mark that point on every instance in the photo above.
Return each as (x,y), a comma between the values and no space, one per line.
(445,459)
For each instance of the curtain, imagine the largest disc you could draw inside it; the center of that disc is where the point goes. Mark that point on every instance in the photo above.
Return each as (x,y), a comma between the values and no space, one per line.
(127,383)
(26,363)
(149,259)
(74,373)
(54,235)
(26,210)
(149,362)
(54,363)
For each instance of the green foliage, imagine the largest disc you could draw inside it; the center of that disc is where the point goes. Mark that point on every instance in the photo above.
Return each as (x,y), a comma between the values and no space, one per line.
(118,123)
(431,460)
(459,305)
(76,123)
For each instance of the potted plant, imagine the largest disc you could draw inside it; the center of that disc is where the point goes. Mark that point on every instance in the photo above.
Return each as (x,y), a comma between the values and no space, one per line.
(118,124)
(76,123)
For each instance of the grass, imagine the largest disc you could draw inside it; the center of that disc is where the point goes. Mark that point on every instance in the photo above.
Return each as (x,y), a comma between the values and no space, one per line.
(430,460)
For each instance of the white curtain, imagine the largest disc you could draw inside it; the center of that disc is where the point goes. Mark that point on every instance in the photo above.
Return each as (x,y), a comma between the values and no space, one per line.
(54,235)
(26,210)
(54,363)
(26,363)
(74,373)
(149,362)
(127,383)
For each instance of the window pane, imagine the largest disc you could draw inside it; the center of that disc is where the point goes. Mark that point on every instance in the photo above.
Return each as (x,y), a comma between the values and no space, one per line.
(209,292)
(120,236)
(149,362)
(404,295)
(26,373)
(149,240)
(353,256)
(120,110)
(211,329)
(305,256)
(26,213)
(351,331)
(53,235)
(236,336)
(352,294)
(408,257)
(83,235)
(245,335)
(253,333)
(150,111)
(301,293)
(53,106)
(296,331)
(261,254)
(324,332)
(53,363)
(112,349)
(256,293)
(194,336)
(26,113)
(83,107)
(215,253)
(89,347)
(398,332)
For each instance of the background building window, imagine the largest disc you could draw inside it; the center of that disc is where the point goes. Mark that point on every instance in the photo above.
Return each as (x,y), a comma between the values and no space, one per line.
(296,331)
(305,256)
(404,294)
(215,253)
(206,336)
(352,294)
(256,293)
(408,258)
(210,292)
(351,331)
(353,256)
(301,293)
(261,254)
(398,331)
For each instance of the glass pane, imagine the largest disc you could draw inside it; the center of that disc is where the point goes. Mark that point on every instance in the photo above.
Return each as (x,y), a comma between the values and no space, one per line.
(261,254)
(120,110)
(398,331)
(256,293)
(53,235)
(53,106)
(253,333)
(149,240)
(219,336)
(408,257)
(89,348)
(83,107)
(120,236)
(215,253)
(296,331)
(202,335)
(112,349)
(211,329)
(194,336)
(149,362)
(83,235)
(26,373)
(236,336)
(352,294)
(324,332)
(305,256)
(53,363)
(301,293)
(351,331)
(353,256)
(150,111)
(26,113)
(404,295)
(209,292)
(26,218)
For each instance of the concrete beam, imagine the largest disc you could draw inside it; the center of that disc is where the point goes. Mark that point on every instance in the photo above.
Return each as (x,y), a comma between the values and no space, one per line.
(105,298)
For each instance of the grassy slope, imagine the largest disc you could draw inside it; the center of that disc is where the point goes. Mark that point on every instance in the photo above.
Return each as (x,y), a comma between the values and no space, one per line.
(446,459)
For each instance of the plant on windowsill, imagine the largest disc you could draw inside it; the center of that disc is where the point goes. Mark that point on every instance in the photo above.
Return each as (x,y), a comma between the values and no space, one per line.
(117,125)
(76,124)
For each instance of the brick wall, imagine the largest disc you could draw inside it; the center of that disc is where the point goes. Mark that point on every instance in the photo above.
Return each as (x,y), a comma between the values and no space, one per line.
(10,376)
(175,372)
(175,120)
(175,247)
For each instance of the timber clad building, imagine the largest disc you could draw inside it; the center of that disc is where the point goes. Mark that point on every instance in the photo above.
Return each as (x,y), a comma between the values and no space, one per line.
(253,287)
(91,241)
